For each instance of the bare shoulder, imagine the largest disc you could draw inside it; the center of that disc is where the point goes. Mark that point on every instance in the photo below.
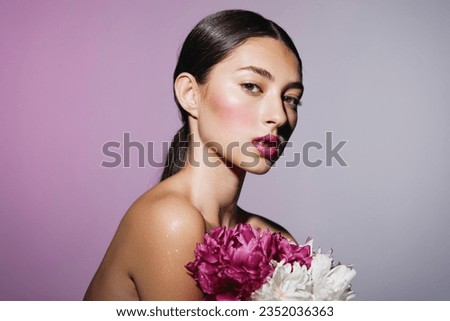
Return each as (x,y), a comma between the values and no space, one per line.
(155,239)
(162,231)
(164,212)
(264,223)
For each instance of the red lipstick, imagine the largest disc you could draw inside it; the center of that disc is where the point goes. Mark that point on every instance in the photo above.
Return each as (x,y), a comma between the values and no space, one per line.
(267,146)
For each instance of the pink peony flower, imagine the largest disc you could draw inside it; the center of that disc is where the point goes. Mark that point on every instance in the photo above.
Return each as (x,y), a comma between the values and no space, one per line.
(232,263)
(291,253)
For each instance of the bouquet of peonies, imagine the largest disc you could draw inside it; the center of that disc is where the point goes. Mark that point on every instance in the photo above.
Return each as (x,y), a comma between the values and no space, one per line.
(241,263)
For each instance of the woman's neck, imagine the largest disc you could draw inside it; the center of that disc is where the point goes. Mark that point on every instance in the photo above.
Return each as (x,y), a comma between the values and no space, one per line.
(214,188)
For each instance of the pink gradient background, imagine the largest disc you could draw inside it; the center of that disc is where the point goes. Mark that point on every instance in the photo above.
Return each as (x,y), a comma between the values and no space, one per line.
(76,74)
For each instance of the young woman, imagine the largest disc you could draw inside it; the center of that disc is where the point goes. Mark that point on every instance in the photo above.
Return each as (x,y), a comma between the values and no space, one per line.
(237,83)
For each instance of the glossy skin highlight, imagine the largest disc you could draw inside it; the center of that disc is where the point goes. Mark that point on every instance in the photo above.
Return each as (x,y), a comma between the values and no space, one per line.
(252,93)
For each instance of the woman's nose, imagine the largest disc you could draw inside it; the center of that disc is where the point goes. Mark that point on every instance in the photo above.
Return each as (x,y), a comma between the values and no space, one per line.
(274,113)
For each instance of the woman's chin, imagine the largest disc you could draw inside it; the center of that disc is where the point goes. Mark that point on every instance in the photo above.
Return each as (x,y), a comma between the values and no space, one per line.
(260,168)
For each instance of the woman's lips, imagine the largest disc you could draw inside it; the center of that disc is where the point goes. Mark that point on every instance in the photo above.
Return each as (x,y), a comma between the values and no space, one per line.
(267,146)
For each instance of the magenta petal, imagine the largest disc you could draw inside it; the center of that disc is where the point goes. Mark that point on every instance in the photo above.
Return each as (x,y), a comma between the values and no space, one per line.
(226,297)
(232,263)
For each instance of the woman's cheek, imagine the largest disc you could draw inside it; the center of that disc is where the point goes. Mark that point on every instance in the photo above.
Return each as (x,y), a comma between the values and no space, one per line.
(232,110)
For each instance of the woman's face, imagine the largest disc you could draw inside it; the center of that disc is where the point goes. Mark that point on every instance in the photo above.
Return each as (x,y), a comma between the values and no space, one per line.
(249,102)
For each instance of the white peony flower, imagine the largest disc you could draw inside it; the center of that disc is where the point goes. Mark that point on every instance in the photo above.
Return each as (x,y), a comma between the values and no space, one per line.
(288,283)
(331,284)
(322,282)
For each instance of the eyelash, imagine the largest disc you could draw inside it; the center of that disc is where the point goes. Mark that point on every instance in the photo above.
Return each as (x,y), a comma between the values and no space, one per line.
(295,102)
(249,87)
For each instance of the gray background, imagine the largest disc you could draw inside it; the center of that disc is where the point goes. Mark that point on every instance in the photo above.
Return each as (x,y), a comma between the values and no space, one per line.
(376,74)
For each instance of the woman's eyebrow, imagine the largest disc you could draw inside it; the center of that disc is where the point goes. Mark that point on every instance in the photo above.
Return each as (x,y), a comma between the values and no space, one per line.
(266,74)
(260,71)
(294,85)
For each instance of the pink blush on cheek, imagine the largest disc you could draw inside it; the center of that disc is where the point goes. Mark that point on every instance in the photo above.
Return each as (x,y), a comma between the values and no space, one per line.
(232,112)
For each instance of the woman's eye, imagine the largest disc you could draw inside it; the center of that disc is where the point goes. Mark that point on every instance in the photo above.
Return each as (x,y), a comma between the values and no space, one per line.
(252,88)
(294,102)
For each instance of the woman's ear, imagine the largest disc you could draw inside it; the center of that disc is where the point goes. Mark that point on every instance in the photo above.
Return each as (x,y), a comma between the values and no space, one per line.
(187,92)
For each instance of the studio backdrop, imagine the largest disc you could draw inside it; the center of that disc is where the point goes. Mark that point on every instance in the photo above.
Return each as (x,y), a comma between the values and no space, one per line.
(365,174)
